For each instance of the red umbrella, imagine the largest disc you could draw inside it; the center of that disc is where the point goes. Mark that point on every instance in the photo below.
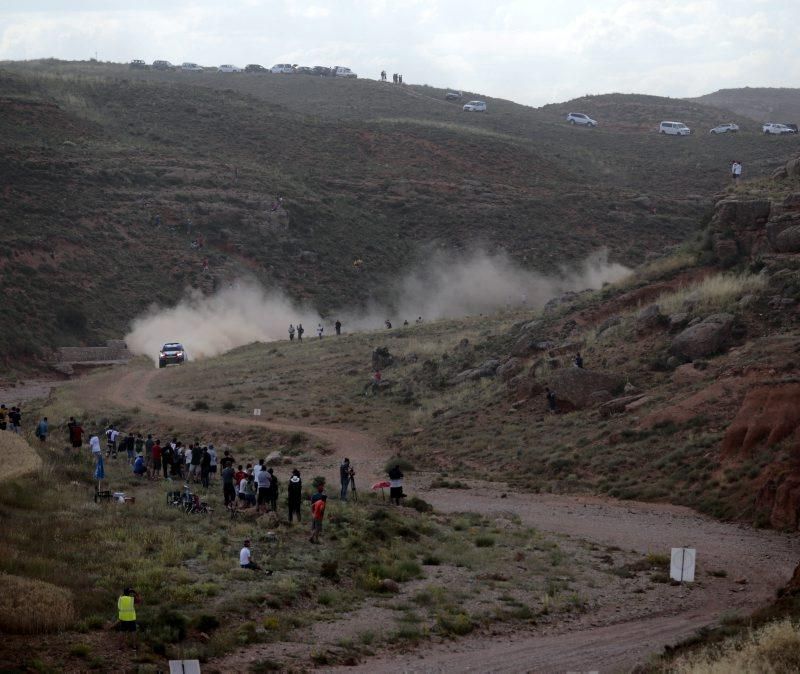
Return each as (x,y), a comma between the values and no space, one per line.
(383,484)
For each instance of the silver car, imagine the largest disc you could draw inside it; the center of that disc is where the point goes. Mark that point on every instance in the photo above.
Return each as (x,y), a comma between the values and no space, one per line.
(580,119)
(725,128)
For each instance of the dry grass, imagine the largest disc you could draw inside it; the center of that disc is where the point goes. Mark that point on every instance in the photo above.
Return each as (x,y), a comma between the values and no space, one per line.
(714,293)
(772,649)
(17,457)
(33,607)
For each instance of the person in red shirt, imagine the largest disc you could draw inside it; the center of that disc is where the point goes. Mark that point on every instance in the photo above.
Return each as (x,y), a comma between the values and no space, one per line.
(155,464)
(317,513)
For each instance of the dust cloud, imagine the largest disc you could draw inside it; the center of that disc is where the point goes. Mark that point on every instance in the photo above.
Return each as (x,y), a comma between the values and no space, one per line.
(442,287)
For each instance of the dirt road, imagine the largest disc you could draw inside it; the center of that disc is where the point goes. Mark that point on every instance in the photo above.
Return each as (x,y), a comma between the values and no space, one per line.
(763,560)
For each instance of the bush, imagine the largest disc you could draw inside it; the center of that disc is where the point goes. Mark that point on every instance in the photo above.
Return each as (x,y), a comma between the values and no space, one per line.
(457,624)
(169,626)
(484,541)
(418,504)
(200,405)
(206,623)
(404,464)
(228,405)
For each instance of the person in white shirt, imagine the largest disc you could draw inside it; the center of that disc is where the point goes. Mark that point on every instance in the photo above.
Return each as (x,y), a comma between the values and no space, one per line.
(213,454)
(736,170)
(246,559)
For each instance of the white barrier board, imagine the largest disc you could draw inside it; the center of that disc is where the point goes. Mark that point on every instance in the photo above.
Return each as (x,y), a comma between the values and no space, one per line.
(682,564)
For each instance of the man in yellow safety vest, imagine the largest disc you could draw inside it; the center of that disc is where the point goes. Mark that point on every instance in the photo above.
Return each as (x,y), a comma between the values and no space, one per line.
(126,606)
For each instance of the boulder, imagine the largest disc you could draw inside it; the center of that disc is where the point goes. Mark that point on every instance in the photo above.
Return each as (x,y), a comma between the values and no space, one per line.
(274,457)
(704,339)
(618,405)
(510,368)
(788,241)
(793,168)
(792,201)
(578,386)
(678,321)
(529,344)
(648,319)
(740,214)
(487,368)
(389,585)
(381,358)
(686,374)
(768,415)
(725,249)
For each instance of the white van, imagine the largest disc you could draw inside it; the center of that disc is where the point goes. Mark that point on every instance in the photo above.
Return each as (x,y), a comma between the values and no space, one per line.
(341,71)
(674,129)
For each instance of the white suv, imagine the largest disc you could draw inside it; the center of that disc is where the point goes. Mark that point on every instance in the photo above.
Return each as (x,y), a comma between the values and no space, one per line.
(281,68)
(580,118)
(674,129)
(227,68)
(475,106)
(776,129)
(340,71)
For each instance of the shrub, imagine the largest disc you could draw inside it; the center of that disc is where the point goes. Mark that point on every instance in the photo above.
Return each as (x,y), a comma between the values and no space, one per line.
(418,504)
(200,405)
(404,464)
(206,623)
(228,405)
(484,541)
(457,624)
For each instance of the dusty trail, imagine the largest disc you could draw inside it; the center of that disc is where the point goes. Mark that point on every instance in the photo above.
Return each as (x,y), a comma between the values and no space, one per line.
(765,559)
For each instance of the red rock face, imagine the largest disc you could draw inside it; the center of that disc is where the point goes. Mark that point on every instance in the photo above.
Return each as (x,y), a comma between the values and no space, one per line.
(769,413)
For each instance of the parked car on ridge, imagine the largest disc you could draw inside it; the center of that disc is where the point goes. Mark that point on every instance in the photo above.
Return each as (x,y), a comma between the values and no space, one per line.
(162,65)
(304,70)
(775,129)
(282,68)
(725,128)
(674,129)
(578,118)
(191,67)
(138,64)
(255,68)
(793,127)
(475,106)
(322,71)
(341,71)
(228,68)
(452,95)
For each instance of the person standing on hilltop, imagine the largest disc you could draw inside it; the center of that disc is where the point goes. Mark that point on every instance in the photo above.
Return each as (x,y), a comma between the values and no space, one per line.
(736,170)
(338,327)
(320,330)
(291,332)
(300,331)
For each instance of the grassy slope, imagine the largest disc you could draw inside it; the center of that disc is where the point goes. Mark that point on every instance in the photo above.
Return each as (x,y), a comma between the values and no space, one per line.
(92,153)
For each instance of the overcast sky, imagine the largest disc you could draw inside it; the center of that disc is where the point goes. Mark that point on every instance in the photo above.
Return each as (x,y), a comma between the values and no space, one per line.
(531,51)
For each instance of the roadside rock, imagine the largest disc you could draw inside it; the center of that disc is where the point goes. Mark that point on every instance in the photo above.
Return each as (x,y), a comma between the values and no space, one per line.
(274,457)
(578,386)
(678,321)
(704,339)
(389,585)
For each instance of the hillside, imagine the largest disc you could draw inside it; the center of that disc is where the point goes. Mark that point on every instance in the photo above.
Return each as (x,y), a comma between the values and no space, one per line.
(102,167)
(763,104)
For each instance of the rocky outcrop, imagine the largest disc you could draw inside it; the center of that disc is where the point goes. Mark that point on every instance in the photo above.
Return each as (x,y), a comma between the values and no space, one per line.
(619,405)
(706,338)
(768,414)
(584,388)
(511,368)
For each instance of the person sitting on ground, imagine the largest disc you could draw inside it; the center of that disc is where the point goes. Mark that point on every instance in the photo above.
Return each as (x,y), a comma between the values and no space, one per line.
(138,466)
(246,559)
